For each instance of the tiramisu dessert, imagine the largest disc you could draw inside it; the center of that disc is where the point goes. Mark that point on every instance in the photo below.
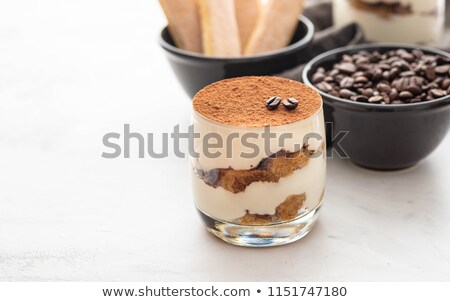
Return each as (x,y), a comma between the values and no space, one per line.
(406,21)
(259,174)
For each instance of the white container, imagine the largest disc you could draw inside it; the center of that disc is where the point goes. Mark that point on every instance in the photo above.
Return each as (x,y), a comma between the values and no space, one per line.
(401,21)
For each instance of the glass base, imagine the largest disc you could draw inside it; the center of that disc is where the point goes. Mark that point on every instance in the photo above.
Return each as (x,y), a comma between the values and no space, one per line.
(262,235)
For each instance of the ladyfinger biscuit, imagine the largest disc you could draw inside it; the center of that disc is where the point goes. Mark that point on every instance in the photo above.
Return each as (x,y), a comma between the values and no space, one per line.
(275,27)
(220,32)
(184,23)
(247,14)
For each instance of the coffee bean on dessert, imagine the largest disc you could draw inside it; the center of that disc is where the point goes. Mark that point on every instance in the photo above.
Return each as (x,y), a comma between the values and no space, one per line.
(290,104)
(394,77)
(273,103)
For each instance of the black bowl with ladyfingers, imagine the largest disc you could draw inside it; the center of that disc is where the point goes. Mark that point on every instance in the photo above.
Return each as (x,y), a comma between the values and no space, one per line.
(249,38)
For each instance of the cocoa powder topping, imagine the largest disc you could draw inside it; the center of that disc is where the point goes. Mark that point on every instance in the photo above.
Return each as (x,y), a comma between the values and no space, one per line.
(242,101)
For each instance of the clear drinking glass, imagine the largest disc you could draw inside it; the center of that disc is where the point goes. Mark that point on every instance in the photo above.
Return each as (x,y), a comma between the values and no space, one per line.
(395,21)
(269,197)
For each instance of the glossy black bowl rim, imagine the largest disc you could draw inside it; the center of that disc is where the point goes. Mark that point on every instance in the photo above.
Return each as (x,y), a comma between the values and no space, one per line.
(333,100)
(300,44)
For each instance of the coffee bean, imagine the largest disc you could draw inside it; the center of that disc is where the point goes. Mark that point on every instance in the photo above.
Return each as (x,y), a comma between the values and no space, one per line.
(415,90)
(442,60)
(290,104)
(377,74)
(347,58)
(385,97)
(347,82)
(346,94)
(360,98)
(334,93)
(376,99)
(417,53)
(416,80)
(438,80)
(407,73)
(438,93)
(430,86)
(368,92)
(384,87)
(400,84)
(442,69)
(401,64)
(362,61)
(347,68)
(273,103)
(339,78)
(361,79)
(384,66)
(393,95)
(429,59)
(334,72)
(318,77)
(324,86)
(394,73)
(430,73)
(445,84)
(407,57)
(405,95)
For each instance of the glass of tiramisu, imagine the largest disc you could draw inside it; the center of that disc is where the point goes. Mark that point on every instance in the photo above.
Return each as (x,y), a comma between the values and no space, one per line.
(259,162)
(403,21)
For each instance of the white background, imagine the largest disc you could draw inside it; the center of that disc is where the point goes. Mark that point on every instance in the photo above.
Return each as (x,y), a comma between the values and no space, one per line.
(71,71)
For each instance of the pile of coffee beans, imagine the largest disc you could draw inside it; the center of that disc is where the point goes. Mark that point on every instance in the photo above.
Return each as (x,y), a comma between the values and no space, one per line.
(395,77)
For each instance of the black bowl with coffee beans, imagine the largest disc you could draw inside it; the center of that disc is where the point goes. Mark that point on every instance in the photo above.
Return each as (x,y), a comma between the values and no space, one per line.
(393,100)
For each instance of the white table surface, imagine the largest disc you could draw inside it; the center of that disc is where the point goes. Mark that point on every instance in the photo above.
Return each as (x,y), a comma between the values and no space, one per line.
(71,71)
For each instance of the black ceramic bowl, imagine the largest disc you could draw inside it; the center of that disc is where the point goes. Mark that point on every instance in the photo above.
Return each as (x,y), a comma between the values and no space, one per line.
(383,137)
(195,71)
